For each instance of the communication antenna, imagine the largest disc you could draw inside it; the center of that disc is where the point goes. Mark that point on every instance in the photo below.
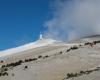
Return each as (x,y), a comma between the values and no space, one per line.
(41,36)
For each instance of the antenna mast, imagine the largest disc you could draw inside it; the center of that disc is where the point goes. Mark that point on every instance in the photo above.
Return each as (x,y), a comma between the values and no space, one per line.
(41,36)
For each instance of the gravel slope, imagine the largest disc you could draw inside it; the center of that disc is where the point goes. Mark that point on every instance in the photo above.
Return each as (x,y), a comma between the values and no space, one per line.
(56,65)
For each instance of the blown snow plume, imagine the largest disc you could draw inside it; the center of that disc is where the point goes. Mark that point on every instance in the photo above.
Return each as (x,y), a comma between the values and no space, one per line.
(73,18)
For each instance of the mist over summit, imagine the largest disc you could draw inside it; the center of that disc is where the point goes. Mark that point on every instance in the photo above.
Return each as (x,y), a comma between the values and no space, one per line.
(73,19)
(67,49)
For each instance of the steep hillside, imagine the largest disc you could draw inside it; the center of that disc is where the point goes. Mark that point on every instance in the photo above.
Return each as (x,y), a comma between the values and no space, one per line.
(57,61)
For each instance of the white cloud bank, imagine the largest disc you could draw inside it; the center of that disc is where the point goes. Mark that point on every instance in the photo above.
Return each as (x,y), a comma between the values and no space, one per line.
(73,18)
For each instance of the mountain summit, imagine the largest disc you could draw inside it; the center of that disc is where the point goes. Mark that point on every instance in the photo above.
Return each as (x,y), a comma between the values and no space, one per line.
(48,59)
(39,43)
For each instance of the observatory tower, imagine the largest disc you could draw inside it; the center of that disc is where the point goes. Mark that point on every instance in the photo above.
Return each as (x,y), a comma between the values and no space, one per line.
(41,37)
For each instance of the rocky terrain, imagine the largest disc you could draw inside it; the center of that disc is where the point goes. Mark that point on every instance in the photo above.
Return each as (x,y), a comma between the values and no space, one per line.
(78,60)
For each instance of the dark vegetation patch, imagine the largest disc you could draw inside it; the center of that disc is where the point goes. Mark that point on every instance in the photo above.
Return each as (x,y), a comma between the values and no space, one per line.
(73,75)
(5,68)
(40,56)
(26,67)
(1,61)
(92,43)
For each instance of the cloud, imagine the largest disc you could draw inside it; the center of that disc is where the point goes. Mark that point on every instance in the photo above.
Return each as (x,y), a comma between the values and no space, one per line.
(73,19)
